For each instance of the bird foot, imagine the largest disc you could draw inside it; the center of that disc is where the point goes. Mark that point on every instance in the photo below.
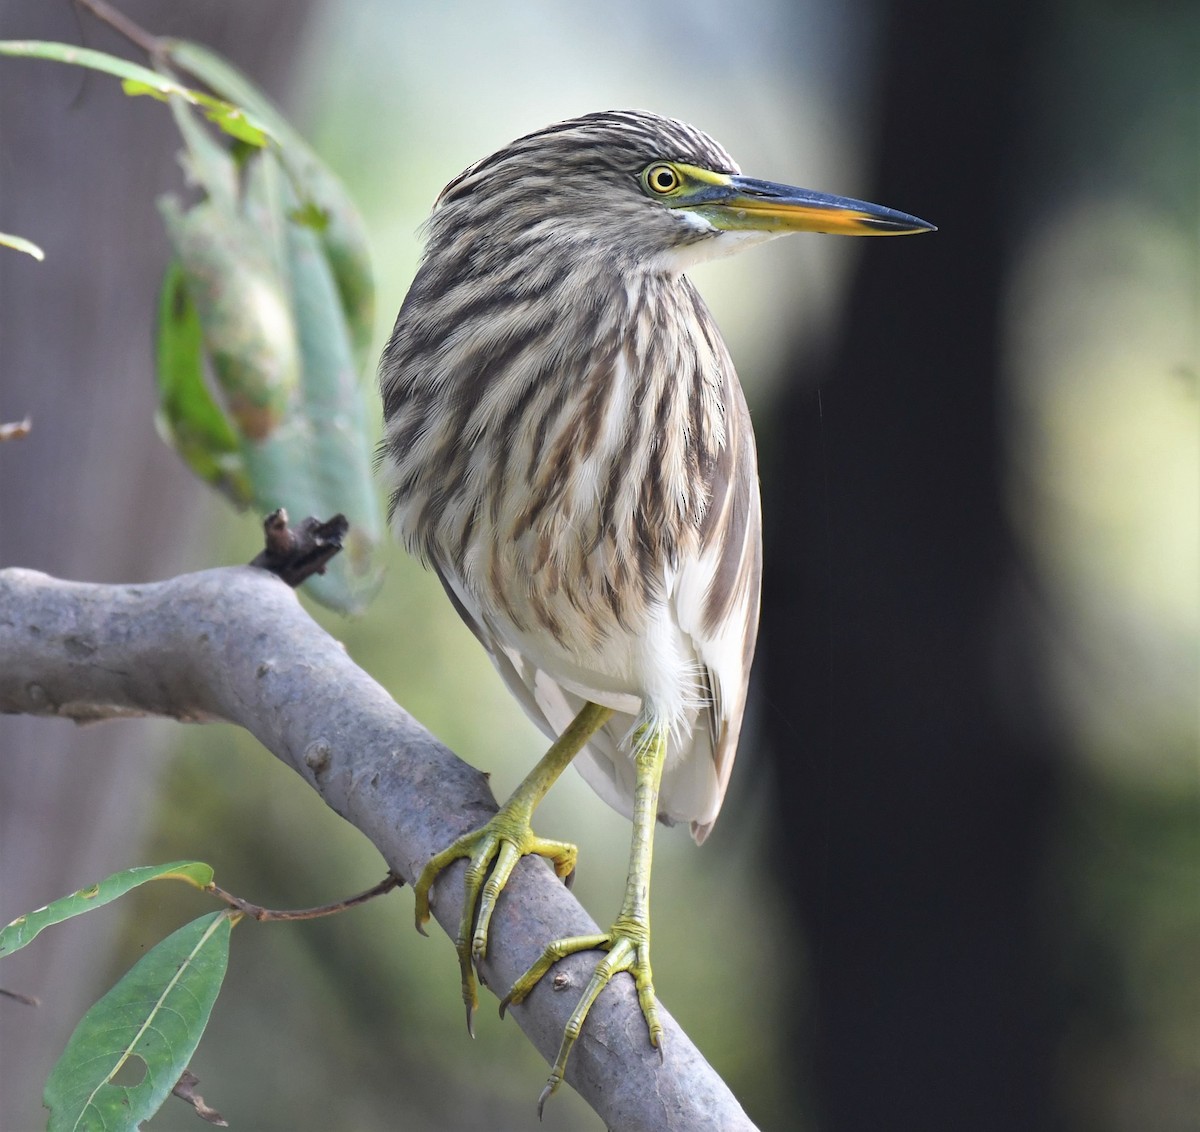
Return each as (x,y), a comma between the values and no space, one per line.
(492,852)
(628,949)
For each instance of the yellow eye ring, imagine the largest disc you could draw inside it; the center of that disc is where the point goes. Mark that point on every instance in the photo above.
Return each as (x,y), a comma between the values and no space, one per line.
(661,179)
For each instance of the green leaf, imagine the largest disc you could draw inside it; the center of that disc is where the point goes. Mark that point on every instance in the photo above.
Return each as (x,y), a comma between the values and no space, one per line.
(189,418)
(286,236)
(232,119)
(19,243)
(24,928)
(244,312)
(335,410)
(136,79)
(309,215)
(320,193)
(207,161)
(150,1022)
(220,75)
(235,122)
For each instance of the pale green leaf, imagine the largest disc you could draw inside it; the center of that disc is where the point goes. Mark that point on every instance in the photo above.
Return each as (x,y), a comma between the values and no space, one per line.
(136,79)
(324,203)
(20,244)
(24,928)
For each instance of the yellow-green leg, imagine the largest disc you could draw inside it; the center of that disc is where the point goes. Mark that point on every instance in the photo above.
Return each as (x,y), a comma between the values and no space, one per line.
(628,941)
(493,850)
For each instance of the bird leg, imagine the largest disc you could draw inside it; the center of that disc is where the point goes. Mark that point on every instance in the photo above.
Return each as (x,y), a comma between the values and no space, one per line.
(628,941)
(493,850)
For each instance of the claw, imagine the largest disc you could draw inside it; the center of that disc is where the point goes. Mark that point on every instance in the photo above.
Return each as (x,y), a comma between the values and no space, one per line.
(551,1085)
(627,945)
(492,852)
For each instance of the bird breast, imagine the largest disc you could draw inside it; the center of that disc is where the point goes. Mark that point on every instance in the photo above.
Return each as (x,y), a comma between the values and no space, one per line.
(555,464)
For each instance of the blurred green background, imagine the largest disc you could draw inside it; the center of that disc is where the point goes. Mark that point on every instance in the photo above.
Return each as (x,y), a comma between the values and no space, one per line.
(355,1023)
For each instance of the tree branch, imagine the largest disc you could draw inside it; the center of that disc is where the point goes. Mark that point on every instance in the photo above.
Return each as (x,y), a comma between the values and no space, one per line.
(235,644)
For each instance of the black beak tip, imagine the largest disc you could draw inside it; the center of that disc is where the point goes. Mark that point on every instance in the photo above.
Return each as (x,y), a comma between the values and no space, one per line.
(899,223)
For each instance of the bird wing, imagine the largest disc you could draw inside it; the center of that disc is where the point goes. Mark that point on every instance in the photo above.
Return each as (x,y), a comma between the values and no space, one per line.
(517,673)
(716,595)
(550,706)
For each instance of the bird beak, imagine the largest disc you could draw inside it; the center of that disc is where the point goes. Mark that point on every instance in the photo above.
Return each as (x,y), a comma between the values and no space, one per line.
(747,204)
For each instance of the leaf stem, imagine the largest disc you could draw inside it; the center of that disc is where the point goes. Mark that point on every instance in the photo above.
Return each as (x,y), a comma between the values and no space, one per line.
(123,25)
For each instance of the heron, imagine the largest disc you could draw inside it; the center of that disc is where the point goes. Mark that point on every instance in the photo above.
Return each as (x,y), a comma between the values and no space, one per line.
(568,448)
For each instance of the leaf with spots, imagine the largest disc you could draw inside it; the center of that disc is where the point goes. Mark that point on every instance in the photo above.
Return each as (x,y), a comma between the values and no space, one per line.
(24,928)
(131,1048)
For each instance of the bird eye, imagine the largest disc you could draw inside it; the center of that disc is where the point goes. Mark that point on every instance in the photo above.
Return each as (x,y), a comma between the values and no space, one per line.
(661,179)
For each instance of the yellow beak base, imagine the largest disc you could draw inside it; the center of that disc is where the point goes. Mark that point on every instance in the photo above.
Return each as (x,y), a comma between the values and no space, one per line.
(735,203)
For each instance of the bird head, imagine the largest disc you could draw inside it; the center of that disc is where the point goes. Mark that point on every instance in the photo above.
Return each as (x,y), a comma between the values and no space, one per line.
(641,189)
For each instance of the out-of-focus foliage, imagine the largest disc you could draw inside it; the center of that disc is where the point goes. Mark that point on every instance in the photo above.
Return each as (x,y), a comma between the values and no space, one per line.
(136,79)
(327,208)
(189,417)
(271,290)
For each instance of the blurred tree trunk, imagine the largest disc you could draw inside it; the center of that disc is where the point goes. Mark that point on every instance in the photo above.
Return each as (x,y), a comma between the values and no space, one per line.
(92,493)
(915,770)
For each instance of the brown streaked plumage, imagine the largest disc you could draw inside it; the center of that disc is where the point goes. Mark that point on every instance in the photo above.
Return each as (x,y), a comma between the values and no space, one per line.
(569,449)
(574,426)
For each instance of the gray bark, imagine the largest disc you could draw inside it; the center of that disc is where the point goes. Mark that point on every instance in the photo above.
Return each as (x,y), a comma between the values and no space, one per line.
(235,644)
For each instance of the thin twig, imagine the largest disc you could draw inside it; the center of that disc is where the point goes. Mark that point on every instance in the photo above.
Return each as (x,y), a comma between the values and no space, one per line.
(123,25)
(256,912)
